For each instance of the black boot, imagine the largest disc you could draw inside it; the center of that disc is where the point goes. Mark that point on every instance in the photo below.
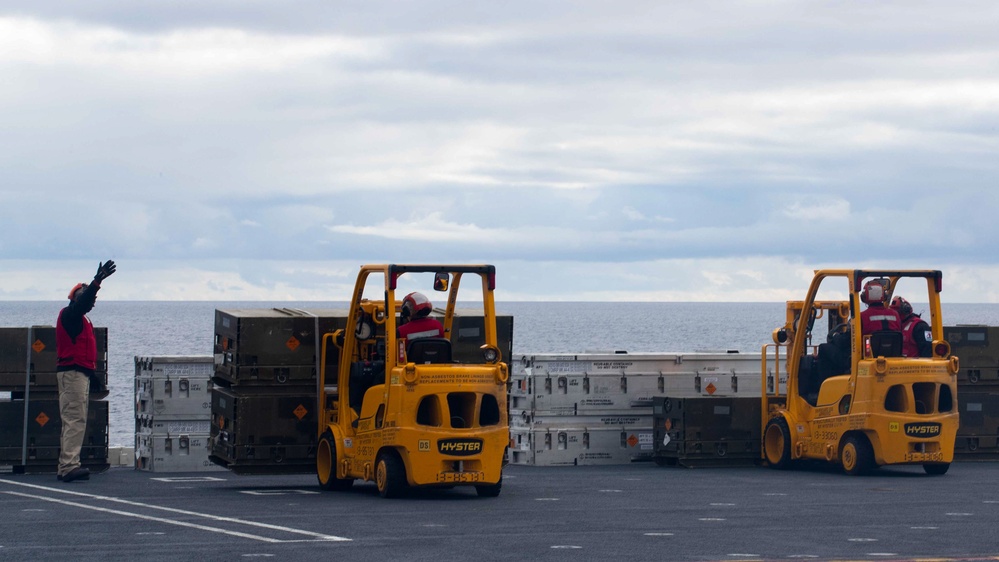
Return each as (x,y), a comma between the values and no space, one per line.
(78,473)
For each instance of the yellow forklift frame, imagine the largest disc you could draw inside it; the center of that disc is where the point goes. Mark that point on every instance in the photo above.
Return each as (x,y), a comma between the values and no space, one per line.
(886,410)
(419,424)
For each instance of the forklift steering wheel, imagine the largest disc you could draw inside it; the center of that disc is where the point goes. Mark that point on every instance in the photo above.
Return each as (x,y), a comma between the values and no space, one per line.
(841,327)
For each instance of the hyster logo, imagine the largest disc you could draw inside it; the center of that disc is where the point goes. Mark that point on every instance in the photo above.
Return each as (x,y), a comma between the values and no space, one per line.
(459,447)
(922,429)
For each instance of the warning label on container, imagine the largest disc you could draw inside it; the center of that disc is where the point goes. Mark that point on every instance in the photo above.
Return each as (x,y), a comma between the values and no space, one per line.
(620,420)
(183,370)
(645,441)
(42,419)
(611,365)
(596,402)
(38,346)
(186,426)
(566,367)
(292,343)
(300,412)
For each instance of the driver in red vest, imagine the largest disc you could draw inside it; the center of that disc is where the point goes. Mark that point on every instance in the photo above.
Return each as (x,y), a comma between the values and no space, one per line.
(415,321)
(877,317)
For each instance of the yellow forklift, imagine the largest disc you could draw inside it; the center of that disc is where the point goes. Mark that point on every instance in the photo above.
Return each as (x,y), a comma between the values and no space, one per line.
(855,400)
(398,409)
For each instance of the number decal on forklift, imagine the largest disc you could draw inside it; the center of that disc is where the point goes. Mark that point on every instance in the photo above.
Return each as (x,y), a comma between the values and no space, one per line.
(893,427)
(459,477)
(424,444)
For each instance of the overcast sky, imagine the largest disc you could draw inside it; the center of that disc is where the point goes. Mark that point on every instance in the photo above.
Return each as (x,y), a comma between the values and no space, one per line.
(680,151)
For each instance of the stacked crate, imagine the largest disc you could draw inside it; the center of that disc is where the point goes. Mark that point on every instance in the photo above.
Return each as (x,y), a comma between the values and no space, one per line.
(30,423)
(468,334)
(977,348)
(265,382)
(592,409)
(173,413)
(713,431)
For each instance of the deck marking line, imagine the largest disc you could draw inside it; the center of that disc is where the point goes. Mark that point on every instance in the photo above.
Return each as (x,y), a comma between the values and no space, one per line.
(182,512)
(148,517)
(188,479)
(277,492)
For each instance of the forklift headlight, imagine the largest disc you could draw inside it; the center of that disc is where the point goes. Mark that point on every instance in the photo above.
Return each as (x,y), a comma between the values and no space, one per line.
(490,353)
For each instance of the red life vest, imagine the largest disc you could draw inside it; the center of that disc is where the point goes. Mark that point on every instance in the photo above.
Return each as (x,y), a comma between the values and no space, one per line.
(909,346)
(879,317)
(79,353)
(425,327)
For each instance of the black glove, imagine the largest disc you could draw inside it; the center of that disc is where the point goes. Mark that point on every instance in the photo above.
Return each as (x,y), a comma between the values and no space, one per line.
(104,270)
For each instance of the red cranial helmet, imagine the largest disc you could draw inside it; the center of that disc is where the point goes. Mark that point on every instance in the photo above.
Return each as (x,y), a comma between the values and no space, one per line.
(874,292)
(77,287)
(901,306)
(416,305)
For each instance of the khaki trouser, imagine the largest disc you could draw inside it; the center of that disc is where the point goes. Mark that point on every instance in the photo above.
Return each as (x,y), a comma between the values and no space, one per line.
(74,396)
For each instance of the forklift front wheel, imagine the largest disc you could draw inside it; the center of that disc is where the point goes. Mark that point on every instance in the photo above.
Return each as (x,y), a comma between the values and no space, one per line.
(326,465)
(857,455)
(777,443)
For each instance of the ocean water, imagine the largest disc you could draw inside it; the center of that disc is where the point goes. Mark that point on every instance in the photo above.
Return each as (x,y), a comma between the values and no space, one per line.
(144,328)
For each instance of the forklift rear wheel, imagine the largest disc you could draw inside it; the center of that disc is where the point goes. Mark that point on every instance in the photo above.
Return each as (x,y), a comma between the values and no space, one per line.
(326,465)
(489,490)
(390,475)
(936,469)
(777,443)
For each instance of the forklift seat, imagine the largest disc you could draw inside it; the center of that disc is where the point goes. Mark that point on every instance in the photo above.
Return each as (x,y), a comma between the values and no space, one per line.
(429,350)
(886,343)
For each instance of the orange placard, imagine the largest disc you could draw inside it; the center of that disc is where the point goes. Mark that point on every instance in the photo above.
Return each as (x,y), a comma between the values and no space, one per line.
(292,343)
(38,346)
(42,419)
(300,412)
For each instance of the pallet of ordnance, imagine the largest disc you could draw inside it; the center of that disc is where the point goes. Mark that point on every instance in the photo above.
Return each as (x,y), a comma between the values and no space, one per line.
(714,431)
(262,408)
(583,383)
(174,446)
(173,413)
(977,347)
(264,430)
(563,407)
(272,346)
(174,387)
(594,444)
(468,334)
(36,450)
(554,439)
(979,426)
(28,362)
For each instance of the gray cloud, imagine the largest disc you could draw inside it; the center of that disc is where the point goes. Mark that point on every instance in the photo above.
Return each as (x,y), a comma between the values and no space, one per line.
(548,133)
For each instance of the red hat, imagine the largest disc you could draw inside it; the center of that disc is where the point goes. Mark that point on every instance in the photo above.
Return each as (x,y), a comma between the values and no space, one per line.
(76,288)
